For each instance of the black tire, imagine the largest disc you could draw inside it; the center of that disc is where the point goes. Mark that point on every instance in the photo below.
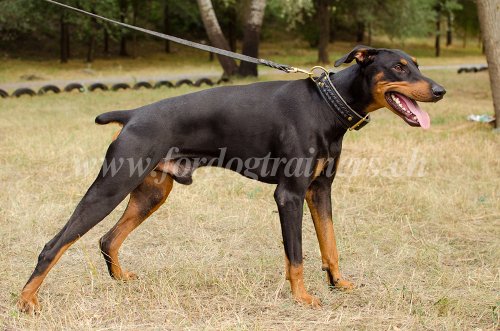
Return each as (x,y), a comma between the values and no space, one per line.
(460,70)
(4,94)
(98,86)
(74,86)
(474,69)
(120,86)
(222,80)
(184,82)
(201,81)
(138,85)
(49,88)
(23,91)
(482,68)
(162,83)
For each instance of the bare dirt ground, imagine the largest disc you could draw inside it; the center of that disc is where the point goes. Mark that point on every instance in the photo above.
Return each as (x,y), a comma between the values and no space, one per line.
(418,232)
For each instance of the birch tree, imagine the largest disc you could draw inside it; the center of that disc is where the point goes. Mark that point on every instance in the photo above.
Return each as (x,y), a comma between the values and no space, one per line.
(489,19)
(216,36)
(251,35)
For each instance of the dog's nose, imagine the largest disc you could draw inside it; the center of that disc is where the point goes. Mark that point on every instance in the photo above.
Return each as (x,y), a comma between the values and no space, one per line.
(438,91)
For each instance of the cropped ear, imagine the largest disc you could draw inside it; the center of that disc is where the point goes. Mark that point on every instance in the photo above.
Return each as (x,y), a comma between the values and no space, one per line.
(362,54)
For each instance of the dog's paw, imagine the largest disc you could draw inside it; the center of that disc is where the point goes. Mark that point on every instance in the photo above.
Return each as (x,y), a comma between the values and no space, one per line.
(344,285)
(28,305)
(309,300)
(126,276)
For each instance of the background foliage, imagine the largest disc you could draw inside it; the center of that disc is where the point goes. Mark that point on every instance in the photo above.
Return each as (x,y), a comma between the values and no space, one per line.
(27,26)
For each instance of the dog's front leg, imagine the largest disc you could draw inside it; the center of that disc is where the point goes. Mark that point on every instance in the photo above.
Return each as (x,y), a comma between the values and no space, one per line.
(319,201)
(290,206)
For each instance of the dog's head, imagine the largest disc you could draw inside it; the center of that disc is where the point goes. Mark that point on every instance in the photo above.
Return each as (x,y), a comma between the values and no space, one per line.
(395,82)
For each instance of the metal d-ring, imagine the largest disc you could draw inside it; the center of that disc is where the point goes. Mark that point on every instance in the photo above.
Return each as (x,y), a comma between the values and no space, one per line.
(311,71)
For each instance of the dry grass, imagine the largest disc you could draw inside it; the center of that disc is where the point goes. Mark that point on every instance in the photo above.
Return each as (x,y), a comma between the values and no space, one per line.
(424,251)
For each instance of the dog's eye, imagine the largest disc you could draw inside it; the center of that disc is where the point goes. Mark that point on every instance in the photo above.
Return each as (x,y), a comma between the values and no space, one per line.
(399,68)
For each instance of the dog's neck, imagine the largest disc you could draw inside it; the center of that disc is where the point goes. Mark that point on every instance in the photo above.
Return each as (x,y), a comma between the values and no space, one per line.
(349,82)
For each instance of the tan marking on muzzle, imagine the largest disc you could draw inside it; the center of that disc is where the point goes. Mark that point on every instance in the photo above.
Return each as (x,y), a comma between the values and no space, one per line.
(419,91)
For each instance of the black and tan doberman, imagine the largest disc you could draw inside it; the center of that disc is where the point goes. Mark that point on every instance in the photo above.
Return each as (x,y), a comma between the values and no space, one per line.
(287,133)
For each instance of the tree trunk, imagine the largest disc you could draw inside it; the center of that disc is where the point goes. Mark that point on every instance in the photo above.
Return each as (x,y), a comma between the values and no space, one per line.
(323,15)
(64,39)
(135,9)
(370,34)
(67,39)
(360,32)
(106,41)
(438,32)
(166,25)
(449,28)
(489,19)
(465,37)
(91,38)
(232,28)
(216,36)
(251,36)
(123,38)
(123,45)
(90,48)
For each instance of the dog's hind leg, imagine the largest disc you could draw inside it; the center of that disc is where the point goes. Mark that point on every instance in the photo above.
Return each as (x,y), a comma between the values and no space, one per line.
(144,201)
(126,165)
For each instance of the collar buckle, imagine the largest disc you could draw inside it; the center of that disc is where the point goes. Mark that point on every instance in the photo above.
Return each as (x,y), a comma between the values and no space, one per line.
(359,122)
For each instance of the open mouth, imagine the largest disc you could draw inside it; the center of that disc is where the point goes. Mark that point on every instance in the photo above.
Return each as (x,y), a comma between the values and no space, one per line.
(408,110)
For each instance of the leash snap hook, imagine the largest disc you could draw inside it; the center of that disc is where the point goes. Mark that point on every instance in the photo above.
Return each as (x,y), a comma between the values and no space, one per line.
(294,70)
(310,73)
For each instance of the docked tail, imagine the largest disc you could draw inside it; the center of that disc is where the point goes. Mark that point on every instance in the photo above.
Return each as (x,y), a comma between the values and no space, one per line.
(118,116)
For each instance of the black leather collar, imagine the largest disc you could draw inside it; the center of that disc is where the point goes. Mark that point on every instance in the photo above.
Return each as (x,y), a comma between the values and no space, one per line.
(351,119)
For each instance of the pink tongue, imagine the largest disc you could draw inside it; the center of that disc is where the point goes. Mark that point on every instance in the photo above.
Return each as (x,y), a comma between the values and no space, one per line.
(422,116)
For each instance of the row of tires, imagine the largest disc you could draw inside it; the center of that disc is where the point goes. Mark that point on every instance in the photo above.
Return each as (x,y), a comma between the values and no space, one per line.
(115,87)
(472,69)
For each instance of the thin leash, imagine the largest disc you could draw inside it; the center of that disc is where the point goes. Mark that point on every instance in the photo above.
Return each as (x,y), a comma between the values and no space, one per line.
(207,48)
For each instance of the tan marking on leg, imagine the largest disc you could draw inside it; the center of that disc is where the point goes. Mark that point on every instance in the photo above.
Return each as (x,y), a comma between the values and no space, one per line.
(287,268)
(296,274)
(28,301)
(127,223)
(117,133)
(323,225)
(130,220)
(403,61)
(318,169)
